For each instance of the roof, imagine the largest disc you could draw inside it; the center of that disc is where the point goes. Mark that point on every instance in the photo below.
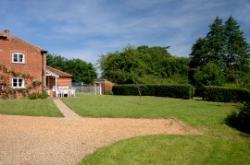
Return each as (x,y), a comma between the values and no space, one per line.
(58,72)
(6,35)
(102,80)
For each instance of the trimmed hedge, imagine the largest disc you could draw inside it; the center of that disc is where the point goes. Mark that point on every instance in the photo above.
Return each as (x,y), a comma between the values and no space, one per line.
(222,94)
(177,91)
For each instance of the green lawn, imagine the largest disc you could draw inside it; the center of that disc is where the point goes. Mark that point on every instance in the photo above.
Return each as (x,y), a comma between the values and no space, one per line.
(39,107)
(219,143)
(179,150)
(191,111)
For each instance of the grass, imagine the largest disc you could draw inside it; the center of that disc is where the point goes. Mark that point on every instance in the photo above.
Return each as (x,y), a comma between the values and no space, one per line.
(219,144)
(193,112)
(39,107)
(164,149)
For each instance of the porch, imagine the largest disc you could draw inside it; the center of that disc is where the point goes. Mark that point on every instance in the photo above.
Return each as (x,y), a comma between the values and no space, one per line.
(58,83)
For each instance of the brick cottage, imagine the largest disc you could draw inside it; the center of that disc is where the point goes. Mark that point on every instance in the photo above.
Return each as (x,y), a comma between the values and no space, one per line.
(23,67)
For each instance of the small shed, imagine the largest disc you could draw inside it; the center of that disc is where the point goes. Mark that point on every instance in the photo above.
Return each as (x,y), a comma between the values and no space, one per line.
(103,86)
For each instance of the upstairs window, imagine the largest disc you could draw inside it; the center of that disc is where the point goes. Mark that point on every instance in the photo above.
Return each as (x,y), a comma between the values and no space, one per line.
(18,58)
(17,82)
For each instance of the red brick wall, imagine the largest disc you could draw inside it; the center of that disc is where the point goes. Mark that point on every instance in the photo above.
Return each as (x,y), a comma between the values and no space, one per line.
(107,86)
(65,82)
(60,82)
(34,61)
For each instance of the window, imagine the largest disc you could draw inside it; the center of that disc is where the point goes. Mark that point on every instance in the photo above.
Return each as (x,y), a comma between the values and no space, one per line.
(18,58)
(17,82)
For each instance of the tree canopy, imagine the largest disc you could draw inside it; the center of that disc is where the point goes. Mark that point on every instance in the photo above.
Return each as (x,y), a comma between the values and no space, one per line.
(210,74)
(80,70)
(222,56)
(144,65)
(224,46)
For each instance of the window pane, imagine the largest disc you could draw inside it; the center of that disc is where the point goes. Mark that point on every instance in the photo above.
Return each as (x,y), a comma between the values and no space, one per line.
(20,82)
(20,58)
(15,58)
(14,84)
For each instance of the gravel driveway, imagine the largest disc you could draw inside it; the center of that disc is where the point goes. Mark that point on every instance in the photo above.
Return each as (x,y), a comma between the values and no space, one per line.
(47,140)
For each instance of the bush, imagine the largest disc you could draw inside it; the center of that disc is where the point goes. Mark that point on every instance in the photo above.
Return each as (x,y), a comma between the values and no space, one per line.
(177,91)
(244,118)
(33,96)
(36,83)
(42,95)
(240,120)
(222,94)
(210,74)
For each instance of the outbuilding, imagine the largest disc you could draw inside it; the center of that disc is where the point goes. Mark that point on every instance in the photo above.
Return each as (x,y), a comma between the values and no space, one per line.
(57,79)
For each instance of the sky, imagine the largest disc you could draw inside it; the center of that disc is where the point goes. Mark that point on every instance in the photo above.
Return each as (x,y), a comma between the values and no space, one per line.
(87,29)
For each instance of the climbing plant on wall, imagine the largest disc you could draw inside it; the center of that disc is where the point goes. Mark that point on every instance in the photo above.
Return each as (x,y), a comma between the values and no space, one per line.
(6,90)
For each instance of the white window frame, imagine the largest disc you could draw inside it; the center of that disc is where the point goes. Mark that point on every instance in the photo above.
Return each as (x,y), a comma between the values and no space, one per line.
(18,58)
(18,86)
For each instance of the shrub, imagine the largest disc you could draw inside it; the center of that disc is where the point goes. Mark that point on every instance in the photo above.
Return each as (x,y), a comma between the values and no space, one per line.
(36,83)
(244,118)
(42,95)
(240,120)
(210,74)
(177,91)
(33,96)
(222,94)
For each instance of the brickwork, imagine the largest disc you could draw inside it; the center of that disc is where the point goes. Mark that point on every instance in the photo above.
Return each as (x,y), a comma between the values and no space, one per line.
(107,86)
(65,82)
(34,59)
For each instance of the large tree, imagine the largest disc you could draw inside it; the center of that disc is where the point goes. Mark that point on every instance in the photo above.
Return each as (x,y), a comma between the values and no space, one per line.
(80,70)
(237,50)
(211,48)
(144,65)
(225,46)
(216,43)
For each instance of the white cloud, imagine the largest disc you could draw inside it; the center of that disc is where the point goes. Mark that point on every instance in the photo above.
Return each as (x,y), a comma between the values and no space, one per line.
(89,28)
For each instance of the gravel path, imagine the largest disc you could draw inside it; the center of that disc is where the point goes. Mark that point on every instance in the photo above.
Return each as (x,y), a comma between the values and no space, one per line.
(65,110)
(46,140)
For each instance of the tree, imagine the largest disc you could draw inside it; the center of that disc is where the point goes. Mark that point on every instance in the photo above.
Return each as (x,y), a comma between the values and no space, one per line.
(199,52)
(210,74)
(143,64)
(225,46)
(56,61)
(237,50)
(216,43)
(80,70)
(211,48)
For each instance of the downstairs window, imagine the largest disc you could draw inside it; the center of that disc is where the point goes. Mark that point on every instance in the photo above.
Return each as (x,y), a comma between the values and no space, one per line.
(17,82)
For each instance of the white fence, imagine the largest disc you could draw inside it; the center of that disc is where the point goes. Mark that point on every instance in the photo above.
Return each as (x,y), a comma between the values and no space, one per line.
(95,90)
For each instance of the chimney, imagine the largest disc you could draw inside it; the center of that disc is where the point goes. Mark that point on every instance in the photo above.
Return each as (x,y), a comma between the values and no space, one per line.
(6,32)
